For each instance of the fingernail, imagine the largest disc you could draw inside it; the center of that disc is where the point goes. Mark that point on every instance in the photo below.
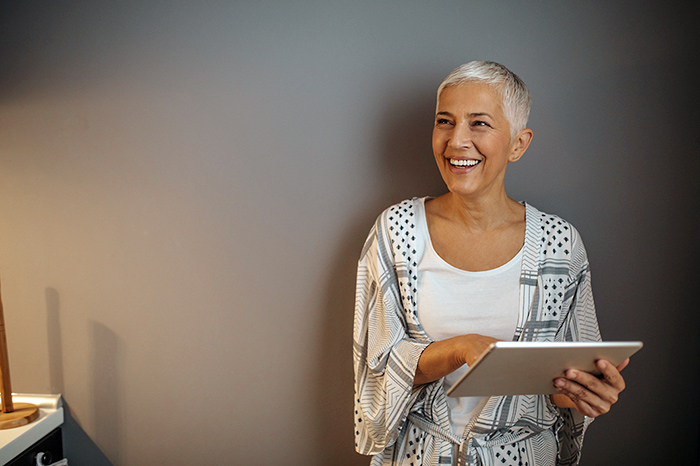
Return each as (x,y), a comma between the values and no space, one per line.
(571,374)
(559,383)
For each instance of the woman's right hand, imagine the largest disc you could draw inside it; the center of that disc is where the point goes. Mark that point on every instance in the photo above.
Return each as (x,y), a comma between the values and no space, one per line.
(475,345)
(446,356)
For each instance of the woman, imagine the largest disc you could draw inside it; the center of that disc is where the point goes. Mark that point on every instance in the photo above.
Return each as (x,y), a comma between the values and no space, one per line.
(440,279)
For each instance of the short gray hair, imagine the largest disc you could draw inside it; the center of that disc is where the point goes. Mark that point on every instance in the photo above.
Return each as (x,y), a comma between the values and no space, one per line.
(513,91)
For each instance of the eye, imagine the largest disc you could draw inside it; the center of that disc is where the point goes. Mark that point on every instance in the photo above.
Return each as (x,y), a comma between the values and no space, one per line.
(442,121)
(480,123)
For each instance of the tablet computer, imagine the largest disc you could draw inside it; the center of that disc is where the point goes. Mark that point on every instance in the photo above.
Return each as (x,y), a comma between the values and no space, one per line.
(529,368)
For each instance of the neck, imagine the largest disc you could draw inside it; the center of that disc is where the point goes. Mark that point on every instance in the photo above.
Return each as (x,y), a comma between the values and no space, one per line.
(482,214)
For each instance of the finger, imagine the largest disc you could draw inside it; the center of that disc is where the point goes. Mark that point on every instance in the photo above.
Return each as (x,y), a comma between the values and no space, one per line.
(595,391)
(587,409)
(611,374)
(587,402)
(623,364)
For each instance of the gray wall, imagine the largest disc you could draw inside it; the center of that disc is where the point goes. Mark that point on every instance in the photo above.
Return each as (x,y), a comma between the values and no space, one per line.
(185,188)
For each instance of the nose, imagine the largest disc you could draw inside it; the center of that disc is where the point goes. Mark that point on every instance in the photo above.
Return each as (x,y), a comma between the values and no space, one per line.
(461,137)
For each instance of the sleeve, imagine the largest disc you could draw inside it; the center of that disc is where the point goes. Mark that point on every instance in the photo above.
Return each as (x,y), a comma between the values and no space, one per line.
(580,324)
(385,358)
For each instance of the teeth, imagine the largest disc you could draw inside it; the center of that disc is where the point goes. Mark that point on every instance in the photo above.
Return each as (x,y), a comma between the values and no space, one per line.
(463,163)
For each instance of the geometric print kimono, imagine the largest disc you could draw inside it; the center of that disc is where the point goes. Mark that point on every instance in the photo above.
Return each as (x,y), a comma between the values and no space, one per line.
(407,426)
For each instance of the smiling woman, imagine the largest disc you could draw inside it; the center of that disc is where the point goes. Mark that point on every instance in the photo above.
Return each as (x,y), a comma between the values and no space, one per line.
(472,141)
(440,279)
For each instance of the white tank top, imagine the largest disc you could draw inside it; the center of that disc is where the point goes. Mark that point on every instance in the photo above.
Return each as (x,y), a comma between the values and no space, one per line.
(454,302)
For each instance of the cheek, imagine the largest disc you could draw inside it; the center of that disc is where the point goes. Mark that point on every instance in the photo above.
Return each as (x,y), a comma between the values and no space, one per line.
(438,143)
(487,145)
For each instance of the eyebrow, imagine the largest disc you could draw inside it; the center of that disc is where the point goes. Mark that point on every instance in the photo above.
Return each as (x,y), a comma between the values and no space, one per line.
(473,114)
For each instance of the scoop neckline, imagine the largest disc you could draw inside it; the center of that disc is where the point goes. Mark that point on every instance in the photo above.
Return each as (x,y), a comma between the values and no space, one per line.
(429,247)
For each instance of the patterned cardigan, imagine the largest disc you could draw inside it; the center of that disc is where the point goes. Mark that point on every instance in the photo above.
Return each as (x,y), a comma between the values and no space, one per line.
(402,425)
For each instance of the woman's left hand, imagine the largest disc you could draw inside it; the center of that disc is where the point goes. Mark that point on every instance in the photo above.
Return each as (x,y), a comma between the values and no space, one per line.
(591,395)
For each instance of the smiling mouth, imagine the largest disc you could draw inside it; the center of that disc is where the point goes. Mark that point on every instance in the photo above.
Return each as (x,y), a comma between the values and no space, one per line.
(464,163)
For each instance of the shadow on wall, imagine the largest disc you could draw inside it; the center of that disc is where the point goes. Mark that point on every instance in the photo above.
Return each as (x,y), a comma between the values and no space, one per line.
(106,377)
(409,170)
(78,447)
(55,340)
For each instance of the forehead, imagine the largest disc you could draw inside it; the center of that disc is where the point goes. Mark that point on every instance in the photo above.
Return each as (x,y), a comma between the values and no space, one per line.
(470,98)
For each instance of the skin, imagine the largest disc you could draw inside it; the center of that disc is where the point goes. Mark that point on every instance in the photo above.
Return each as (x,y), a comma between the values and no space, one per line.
(470,125)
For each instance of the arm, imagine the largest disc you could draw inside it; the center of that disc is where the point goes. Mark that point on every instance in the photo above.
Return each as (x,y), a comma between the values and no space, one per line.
(446,356)
(385,356)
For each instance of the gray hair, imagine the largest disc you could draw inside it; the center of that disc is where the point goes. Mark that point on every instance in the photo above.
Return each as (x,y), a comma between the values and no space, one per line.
(513,91)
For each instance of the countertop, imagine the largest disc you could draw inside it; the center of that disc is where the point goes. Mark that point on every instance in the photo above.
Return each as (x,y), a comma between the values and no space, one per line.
(14,441)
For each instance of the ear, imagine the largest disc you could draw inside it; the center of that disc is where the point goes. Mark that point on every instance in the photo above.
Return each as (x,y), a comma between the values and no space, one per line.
(520,144)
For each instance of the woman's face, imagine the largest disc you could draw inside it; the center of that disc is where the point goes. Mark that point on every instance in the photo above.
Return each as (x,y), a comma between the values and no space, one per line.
(471,140)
